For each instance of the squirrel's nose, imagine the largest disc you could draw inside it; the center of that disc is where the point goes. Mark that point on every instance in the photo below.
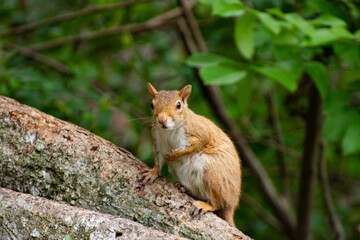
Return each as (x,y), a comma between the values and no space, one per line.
(162,118)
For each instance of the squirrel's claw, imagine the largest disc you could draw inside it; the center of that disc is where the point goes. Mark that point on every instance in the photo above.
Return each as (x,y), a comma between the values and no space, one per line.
(148,176)
(196,212)
(180,187)
(200,208)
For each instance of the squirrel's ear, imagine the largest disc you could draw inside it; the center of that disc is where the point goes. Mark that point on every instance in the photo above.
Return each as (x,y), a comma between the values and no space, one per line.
(152,90)
(185,92)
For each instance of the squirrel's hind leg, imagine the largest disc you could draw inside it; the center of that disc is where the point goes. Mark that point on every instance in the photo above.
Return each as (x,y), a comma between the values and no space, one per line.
(201,207)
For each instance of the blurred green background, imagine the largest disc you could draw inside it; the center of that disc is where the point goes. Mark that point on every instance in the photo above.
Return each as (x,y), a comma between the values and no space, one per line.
(258,51)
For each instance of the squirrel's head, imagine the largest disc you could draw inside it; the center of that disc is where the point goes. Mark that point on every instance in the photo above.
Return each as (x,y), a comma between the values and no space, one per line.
(169,108)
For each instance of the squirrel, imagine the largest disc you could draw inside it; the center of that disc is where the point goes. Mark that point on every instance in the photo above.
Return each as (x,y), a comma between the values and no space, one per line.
(200,156)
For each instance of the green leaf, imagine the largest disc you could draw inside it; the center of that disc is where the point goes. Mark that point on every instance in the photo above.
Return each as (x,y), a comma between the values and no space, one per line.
(357,35)
(207,59)
(104,102)
(326,19)
(281,74)
(326,6)
(294,67)
(300,23)
(208,2)
(227,8)
(341,32)
(319,75)
(348,52)
(104,118)
(334,127)
(350,78)
(126,39)
(276,12)
(245,91)
(286,38)
(270,23)
(337,101)
(221,75)
(324,36)
(339,116)
(244,35)
(351,141)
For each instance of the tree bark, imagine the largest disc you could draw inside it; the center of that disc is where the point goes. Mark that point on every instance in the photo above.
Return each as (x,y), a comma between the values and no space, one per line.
(54,159)
(24,216)
(309,165)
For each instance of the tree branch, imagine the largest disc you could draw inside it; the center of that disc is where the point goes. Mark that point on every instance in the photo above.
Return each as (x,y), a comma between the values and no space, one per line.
(309,163)
(155,22)
(211,93)
(329,204)
(67,16)
(194,27)
(274,119)
(63,220)
(50,62)
(190,46)
(259,209)
(271,143)
(123,104)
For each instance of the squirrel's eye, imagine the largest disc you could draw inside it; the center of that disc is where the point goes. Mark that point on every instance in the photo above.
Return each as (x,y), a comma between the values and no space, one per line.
(178,105)
(152,106)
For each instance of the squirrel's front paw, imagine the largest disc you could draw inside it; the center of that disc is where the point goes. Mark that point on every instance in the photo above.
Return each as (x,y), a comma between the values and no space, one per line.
(171,156)
(148,176)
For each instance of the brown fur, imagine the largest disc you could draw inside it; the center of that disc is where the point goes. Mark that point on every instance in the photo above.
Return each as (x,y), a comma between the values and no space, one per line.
(221,172)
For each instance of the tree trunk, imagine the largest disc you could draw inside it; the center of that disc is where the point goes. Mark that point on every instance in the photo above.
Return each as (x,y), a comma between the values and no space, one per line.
(28,217)
(309,165)
(54,159)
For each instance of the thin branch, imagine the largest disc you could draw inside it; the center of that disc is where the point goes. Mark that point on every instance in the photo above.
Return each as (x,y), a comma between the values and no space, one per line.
(274,119)
(50,62)
(211,92)
(187,38)
(259,209)
(121,104)
(194,27)
(309,163)
(329,204)
(155,22)
(67,16)
(271,143)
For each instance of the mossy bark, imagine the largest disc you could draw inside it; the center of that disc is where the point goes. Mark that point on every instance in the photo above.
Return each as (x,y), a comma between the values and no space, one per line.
(23,216)
(54,159)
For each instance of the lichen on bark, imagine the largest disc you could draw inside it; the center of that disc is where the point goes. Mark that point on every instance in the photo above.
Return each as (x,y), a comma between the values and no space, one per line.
(23,216)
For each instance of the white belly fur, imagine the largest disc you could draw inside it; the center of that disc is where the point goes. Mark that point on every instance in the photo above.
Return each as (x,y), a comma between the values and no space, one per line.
(188,170)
